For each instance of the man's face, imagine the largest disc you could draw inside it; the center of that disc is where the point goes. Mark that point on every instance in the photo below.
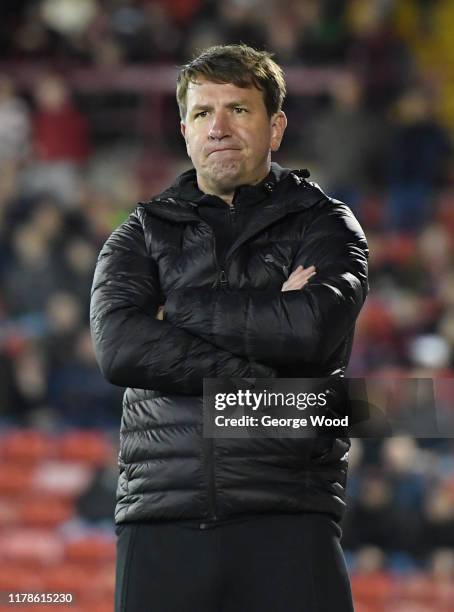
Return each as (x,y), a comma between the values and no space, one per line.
(229,135)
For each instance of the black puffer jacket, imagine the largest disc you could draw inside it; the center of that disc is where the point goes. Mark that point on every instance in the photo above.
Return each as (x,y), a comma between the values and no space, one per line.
(225,318)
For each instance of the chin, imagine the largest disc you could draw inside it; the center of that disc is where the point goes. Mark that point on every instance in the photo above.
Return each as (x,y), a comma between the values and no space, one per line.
(227,175)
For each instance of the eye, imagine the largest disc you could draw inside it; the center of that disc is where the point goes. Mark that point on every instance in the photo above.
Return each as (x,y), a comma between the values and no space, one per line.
(239,110)
(201,114)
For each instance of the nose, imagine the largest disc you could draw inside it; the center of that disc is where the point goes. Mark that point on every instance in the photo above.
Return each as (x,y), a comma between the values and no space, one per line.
(220,127)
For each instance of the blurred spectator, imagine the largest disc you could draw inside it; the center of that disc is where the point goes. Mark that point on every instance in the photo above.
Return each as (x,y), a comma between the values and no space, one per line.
(11,409)
(32,275)
(78,264)
(324,31)
(14,139)
(60,130)
(182,12)
(30,37)
(162,38)
(68,18)
(240,23)
(14,123)
(437,529)
(29,377)
(64,318)
(370,560)
(419,153)
(96,503)
(376,53)
(442,564)
(349,142)
(61,142)
(79,394)
(371,519)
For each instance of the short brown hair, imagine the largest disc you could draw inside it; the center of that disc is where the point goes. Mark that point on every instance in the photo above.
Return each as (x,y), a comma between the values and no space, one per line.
(240,65)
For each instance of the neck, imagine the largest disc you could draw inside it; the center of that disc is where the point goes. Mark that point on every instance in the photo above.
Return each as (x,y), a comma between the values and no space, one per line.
(227,195)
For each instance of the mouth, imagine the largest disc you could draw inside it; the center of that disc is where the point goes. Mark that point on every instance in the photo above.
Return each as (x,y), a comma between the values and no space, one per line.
(223,150)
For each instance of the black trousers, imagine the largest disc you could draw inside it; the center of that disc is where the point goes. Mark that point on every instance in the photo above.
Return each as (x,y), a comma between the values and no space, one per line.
(277,563)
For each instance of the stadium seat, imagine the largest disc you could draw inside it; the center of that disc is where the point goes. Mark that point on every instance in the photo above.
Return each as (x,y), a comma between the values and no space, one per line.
(17,577)
(44,511)
(15,478)
(91,550)
(26,445)
(68,578)
(29,546)
(85,446)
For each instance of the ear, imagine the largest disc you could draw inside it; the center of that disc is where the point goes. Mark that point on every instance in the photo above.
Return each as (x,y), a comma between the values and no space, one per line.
(278,125)
(183,133)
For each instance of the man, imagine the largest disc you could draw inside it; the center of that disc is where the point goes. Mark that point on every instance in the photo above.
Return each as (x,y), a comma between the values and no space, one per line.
(256,273)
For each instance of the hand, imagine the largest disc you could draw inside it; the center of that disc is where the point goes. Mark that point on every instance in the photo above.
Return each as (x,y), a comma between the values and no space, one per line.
(298,278)
(160,313)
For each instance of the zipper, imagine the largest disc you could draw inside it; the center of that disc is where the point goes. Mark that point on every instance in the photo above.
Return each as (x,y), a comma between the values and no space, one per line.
(221,282)
(208,445)
(221,276)
(222,279)
(215,257)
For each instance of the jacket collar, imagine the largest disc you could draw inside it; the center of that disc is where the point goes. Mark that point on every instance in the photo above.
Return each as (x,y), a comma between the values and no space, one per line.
(284,190)
(185,188)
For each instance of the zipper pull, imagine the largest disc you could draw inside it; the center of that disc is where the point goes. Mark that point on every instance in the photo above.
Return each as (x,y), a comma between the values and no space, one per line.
(222,279)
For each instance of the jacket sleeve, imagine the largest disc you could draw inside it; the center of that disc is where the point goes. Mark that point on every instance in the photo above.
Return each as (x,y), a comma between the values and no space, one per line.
(280,328)
(132,347)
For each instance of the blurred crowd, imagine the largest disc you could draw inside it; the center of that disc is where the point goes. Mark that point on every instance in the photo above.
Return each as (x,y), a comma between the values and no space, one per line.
(48,249)
(401,493)
(112,32)
(379,137)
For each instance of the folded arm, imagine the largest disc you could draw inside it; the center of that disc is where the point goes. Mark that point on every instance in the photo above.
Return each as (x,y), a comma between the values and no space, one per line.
(132,346)
(283,327)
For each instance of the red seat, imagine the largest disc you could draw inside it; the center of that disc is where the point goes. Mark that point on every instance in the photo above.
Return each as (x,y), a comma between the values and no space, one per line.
(46,511)
(67,578)
(8,515)
(86,583)
(91,550)
(86,446)
(26,445)
(19,578)
(30,546)
(372,589)
(15,478)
